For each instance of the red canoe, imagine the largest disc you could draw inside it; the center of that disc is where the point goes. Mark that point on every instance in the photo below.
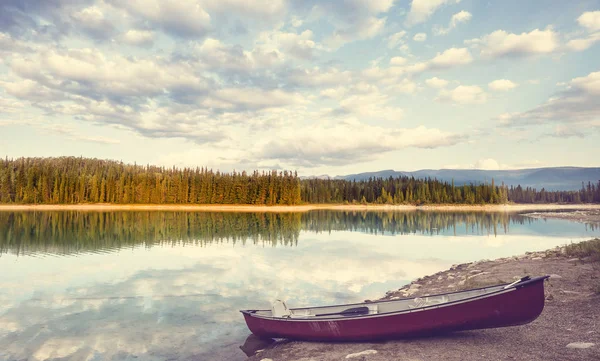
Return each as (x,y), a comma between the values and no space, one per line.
(503,305)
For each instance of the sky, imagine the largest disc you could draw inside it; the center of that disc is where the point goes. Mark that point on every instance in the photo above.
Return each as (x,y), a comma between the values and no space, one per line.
(333,87)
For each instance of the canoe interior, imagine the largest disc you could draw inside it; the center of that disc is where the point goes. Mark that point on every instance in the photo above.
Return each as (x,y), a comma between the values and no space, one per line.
(384,306)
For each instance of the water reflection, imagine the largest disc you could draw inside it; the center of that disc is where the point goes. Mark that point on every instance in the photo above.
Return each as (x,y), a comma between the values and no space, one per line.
(67,232)
(173,282)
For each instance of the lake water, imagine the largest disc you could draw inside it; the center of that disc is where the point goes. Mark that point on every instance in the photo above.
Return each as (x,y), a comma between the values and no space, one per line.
(168,285)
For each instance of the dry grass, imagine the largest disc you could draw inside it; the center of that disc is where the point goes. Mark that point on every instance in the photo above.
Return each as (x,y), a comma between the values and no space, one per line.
(585,249)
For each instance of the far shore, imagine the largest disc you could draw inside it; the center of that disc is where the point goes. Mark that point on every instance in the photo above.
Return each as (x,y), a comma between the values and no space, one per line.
(294,208)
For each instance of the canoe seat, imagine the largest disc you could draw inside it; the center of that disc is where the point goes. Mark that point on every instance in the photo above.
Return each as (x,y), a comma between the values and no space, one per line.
(280,309)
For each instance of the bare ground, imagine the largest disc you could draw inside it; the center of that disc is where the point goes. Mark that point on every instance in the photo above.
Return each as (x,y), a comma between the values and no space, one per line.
(571,315)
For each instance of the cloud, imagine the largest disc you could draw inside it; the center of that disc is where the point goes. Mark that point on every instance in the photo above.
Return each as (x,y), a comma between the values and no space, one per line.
(464,94)
(347,143)
(185,18)
(144,38)
(10,106)
(421,10)
(451,57)
(253,98)
(317,77)
(590,20)
(500,43)
(436,83)
(73,134)
(576,105)
(353,19)
(563,131)
(502,85)
(461,17)
(91,74)
(420,37)
(223,57)
(365,29)
(583,43)
(396,39)
(398,61)
(94,23)
(300,46)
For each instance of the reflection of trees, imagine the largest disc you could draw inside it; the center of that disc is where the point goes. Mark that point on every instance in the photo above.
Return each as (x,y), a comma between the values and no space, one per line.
(412,222)
(73,232)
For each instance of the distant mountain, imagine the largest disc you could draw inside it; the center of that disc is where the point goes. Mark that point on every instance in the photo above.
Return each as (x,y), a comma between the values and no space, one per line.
(554,178)
(323,176)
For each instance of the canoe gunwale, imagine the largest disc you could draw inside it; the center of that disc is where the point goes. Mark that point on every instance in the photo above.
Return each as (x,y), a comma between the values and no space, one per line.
(252,313)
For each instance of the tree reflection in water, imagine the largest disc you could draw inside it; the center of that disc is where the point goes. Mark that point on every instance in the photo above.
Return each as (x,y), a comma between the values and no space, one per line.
(70,232)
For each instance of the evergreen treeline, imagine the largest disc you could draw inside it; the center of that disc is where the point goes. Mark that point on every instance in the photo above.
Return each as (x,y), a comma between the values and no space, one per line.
(400,190)
(70,180)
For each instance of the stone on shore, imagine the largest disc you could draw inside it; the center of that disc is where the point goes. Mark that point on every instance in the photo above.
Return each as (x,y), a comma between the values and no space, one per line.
(580,345)
(362,353)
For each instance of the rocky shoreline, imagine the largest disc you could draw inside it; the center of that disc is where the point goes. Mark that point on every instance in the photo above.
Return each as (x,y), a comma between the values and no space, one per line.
(567,329)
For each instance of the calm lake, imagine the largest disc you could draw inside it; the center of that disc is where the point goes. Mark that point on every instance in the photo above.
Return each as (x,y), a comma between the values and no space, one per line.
(168,285)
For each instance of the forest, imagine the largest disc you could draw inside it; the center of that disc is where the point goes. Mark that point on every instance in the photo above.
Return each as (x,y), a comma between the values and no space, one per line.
(73,180)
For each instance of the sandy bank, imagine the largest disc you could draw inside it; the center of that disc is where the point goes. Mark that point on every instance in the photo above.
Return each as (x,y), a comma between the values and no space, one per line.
(296,208)
(567,329)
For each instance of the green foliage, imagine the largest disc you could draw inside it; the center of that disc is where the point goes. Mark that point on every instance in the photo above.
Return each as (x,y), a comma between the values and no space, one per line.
(70,180)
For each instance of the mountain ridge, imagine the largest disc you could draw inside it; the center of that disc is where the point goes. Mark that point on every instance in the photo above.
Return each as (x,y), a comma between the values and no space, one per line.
(549,178)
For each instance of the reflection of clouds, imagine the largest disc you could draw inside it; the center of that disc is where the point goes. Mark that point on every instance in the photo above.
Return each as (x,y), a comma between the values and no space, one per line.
(182,303)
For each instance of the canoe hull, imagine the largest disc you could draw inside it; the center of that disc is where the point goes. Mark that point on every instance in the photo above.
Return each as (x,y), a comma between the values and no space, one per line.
(519,306)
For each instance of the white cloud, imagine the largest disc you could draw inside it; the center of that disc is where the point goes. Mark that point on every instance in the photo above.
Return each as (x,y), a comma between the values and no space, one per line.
(583,43)
(436,82)
(577,104)
(487,164)
(590,20)
(138,37)
(461,17)
(365,29)
(219,56)
(185,18)
(93,21)
(502,85)
(500,43)
(420,37)
(464,94)
(252,98)
(398,61)
(300,46)
(318,77)
(421,10)
(349,142)
(396,39)
(405,86)
(452,57)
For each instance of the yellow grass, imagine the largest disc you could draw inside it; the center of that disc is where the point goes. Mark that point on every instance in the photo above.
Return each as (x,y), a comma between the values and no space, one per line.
(296,208)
